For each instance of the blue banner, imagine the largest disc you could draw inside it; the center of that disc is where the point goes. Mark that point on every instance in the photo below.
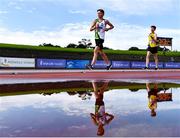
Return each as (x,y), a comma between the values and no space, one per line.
(137,65)
(173,65)
(100,65)
(77,64)
(120,64)
(51,63)
(81,64)
(140,65)
(153,65)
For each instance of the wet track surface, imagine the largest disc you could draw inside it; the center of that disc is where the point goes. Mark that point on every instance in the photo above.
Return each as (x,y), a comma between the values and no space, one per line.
(26,76)
(90,108)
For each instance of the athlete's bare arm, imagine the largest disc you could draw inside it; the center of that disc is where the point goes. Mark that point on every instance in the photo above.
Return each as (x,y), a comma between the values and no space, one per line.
(111,26)
(111,117)
(93,118)
(93,26)
(155,38)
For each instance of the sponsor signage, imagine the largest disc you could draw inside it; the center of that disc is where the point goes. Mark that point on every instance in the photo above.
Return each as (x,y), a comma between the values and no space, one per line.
(51,63)
(100,65)
(173,65)
(8,62)
(138,65)
(120,64)
(153,65)
(76,64)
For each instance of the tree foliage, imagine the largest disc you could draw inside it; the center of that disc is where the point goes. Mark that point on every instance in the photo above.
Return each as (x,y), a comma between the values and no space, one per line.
(49,45)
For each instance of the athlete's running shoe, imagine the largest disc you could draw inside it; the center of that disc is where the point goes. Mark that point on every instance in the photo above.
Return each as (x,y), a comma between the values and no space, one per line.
(156,68)
(89,67)
(109,67)
(146,68)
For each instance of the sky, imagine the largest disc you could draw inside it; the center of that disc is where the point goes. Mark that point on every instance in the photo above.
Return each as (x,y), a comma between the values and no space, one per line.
(72,119)
(61,22)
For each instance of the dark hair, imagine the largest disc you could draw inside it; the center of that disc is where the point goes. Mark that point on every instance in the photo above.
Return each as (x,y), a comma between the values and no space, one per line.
(100,10)
(153,26)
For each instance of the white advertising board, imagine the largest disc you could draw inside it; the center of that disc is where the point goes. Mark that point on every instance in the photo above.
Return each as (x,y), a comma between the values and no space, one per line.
(17,62)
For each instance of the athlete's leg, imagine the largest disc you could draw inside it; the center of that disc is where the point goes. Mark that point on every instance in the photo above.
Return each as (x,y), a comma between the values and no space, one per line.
(95,88)
(147,58)
(148,87)
(156,59)
(104,57)
(104,86)
(94,84)
(96,51)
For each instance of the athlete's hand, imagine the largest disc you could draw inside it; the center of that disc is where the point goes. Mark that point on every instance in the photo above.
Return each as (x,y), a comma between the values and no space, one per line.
(106,29)
(152,38)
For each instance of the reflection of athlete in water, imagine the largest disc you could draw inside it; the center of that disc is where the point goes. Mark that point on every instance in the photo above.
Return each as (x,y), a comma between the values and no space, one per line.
(100,118)
(152,96)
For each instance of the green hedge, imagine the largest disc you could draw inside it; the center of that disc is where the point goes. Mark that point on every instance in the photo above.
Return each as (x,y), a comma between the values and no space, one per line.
(78,50)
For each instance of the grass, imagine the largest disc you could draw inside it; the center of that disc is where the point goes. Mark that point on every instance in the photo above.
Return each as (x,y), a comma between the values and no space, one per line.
(121,52)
